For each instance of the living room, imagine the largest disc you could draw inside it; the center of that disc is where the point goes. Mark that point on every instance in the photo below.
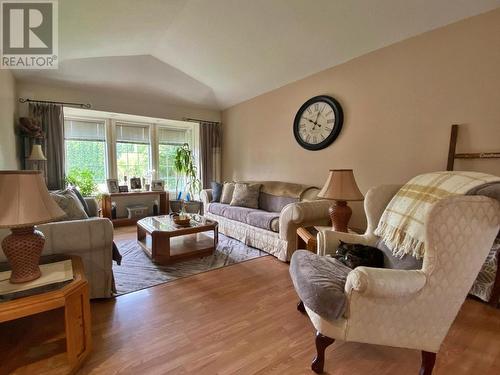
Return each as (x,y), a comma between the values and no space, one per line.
(245,187)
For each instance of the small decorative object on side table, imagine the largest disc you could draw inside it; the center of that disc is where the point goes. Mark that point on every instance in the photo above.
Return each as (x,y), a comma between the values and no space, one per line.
(25,202)
(63,285)
(340,187)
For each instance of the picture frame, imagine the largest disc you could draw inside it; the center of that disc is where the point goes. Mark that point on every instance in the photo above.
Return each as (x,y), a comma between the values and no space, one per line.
(158,185)
(135,183)
(112,185)
(123,188)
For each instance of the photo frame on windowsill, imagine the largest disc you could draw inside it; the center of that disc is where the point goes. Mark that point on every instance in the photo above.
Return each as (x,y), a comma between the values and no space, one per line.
(112,185)
(157,185)
(135,183)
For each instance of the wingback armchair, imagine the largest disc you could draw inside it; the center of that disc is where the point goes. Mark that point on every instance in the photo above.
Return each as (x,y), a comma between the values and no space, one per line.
(411,308)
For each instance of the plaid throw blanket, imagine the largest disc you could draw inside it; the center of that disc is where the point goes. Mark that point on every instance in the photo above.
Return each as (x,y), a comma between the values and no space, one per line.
(401,226)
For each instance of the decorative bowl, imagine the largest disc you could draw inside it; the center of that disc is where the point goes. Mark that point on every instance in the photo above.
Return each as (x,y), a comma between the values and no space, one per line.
(181,221)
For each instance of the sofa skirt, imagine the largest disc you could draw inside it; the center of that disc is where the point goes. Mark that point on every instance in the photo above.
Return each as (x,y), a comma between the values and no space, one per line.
(262,239)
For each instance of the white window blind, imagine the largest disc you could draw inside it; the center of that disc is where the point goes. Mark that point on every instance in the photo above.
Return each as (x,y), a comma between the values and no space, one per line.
(169,136)
(126,133)
(84,130)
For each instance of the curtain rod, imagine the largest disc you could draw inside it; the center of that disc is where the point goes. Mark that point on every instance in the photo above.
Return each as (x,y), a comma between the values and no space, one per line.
(198,120)
(81,105)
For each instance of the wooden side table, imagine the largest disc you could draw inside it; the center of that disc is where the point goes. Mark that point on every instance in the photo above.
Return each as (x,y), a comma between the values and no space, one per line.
(306,238)
(73,296)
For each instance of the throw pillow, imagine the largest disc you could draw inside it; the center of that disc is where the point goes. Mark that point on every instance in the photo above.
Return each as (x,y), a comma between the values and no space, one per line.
(227,193)
(216,191)
(69,203)
(246,195)
(81,199)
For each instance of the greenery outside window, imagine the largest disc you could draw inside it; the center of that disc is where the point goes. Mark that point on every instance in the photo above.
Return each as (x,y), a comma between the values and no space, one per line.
(169,139)
(85,147)
(132,150)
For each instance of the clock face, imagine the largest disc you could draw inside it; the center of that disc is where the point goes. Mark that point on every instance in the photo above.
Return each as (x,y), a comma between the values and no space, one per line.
(318,122)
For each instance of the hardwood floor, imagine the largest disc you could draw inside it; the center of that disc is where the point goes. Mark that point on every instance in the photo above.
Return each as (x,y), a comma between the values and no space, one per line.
(240,319)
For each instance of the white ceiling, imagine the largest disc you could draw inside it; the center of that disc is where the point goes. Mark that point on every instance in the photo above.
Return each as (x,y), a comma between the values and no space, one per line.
(217,53)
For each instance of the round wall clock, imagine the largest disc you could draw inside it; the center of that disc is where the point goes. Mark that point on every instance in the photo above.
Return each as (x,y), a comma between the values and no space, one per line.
(318,122)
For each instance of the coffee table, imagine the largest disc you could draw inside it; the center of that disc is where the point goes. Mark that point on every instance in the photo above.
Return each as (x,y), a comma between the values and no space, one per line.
(165,242)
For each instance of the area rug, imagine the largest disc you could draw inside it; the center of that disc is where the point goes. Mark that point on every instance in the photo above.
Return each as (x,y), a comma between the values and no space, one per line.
(137,271)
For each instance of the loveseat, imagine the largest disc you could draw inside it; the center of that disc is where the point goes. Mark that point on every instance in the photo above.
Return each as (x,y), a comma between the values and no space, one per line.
(272,227)
(91,239)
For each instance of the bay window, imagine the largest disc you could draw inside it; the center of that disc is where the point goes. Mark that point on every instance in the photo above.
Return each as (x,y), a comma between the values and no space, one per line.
(113,146)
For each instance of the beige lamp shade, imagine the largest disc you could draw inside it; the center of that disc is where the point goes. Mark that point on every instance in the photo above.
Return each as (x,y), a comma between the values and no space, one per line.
(341,186)
(37,153)
(25,200)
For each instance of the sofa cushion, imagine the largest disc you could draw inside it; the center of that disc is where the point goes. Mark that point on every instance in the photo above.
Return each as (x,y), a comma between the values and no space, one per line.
(263,219)
(246,195)
(217,208)
(227,192)
(319,282)
(251,216)
(274,203)
(216,191)
(82,200)
(69,203)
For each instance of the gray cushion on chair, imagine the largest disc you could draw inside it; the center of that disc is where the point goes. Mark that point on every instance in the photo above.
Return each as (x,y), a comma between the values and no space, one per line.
(407,262)
(319,281)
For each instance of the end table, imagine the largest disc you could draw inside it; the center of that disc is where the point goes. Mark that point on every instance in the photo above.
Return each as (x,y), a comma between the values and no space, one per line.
(72,295)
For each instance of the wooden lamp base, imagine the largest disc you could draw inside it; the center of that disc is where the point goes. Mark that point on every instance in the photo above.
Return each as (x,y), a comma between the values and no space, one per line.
(340,213)
(23,248)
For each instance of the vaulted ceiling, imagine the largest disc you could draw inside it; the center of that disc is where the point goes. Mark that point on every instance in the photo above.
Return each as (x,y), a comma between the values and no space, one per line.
(217,53)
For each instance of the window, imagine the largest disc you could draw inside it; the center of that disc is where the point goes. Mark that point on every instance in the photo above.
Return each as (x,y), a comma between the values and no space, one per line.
(132,150)
(168,141)
(85,147)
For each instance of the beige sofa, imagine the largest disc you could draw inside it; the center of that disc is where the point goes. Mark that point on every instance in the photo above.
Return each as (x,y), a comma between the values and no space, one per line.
(286,206)
(90,239)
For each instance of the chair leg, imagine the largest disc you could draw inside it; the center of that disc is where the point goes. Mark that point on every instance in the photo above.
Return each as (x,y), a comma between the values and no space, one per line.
(428,360)
(322,342)
(301,308)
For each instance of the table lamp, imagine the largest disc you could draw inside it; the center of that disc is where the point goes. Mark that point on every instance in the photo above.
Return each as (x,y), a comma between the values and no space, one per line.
(25,202)
(37,155)
(340,187)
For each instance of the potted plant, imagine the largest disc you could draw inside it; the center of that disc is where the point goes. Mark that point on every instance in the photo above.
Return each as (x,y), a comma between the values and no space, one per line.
(186,171)
(83,179)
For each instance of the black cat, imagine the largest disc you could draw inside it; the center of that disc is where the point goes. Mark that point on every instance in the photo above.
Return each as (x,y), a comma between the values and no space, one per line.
(356,255)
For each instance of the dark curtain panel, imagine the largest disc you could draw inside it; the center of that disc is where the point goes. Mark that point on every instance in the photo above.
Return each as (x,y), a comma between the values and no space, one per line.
(210,151)
(52,119)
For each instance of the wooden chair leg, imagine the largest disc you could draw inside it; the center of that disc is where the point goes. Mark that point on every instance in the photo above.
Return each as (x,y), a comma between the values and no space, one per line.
(428,360)
(301,308)
(322,342)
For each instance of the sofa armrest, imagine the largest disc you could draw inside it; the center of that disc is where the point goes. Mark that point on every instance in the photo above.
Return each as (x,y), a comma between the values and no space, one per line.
(329,240)
(91,240)
(301,214)
(206,196)
(306,211)
(385,283)
(93,206)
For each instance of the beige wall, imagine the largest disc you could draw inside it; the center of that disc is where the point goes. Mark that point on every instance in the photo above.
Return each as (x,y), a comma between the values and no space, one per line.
(399,103)
(8,142)
(112,101)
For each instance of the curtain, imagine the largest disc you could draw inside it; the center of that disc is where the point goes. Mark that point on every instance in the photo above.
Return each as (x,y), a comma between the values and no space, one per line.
(210,152)
(52,119)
